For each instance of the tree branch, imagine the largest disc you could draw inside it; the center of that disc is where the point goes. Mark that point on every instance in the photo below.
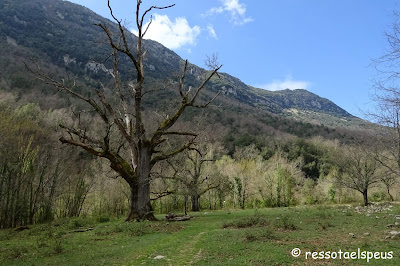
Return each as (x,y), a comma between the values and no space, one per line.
(172,153)
(161,194)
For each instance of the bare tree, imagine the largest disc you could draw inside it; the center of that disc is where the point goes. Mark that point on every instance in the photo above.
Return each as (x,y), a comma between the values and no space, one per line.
(131,147)
(357,170)
(189,176)
(196,181)
(386,148)
(387,113)
(388,180)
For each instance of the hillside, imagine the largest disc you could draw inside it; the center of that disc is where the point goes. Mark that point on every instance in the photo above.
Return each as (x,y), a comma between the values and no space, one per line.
(62,37)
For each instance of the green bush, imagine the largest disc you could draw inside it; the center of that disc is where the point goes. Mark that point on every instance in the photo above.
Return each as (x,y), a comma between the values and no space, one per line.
(286,223)
(331,194)
(137,228)
(324,225)
(18,252)
(103,219)
(259,234)
(57,246)
(254,220)
(379,196)
(76,223)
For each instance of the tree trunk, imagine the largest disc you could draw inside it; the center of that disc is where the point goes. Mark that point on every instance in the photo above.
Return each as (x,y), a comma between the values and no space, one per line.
(185,199)
(390,195)
(243,199)
(195,203)
(365,195)
(140,207)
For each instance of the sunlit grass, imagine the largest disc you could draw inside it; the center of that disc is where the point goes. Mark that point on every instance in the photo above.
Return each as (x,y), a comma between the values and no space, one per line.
(249,237)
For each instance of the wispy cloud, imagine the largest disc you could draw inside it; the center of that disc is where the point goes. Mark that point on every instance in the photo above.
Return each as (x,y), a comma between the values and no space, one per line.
(235,9)
(288,83)
(211,31)
(172,34)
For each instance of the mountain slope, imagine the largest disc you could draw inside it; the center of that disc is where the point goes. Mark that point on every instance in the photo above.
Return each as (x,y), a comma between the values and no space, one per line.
(61,35)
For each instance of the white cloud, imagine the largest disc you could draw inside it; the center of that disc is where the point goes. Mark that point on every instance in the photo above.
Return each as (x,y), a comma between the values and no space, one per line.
(288,83)
(211,31)
(235,9)
(173,35)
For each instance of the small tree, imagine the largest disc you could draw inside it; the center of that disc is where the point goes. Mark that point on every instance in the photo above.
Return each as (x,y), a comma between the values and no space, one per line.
(190,176)
(388,180)
(246,171)
(357,170)
(130,145)
(196,180)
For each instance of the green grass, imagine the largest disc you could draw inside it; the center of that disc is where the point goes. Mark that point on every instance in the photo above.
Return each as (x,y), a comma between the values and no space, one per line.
(249,237)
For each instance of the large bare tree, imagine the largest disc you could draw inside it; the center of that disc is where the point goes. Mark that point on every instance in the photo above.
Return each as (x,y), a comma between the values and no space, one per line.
(123,118)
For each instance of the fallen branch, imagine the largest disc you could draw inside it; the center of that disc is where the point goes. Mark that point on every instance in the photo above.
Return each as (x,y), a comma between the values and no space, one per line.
(173,218)
(21,228)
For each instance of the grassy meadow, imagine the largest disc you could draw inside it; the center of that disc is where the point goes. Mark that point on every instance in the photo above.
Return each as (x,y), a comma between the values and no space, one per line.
(227,237)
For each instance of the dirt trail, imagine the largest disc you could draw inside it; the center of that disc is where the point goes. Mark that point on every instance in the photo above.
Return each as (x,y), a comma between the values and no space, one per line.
(189,249)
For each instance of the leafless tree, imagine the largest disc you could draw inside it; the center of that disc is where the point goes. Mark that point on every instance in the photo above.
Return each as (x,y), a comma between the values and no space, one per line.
(387,113)
(195,180)
(141,147)
(189,176)
(357,170)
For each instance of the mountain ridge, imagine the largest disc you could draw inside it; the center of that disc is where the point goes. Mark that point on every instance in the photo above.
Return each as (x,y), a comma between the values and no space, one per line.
(64,35)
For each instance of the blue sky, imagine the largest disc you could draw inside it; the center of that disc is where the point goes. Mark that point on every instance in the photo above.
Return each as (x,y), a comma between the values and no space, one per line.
(324,46)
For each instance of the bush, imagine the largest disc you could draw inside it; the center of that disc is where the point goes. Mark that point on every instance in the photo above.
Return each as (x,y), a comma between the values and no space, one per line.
(80,222)
(331,194)
(324,225)
(137,228)
(57,247)
(286,223)
(261,234)
(379,196)
(103,219)
(18,252)
(254,220)
(76,223)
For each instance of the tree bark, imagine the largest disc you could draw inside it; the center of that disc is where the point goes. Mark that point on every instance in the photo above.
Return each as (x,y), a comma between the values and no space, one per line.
(390,195)
(140,207)
(195,203)
(365,195)
(185,199)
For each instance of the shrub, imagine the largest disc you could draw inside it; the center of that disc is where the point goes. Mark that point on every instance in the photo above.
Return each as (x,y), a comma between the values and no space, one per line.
(137,228)
(324,225)
(260,234)
(57,247)
(17,252)
(286,223)
(76,223)
(103,219)
(379,196)
(254,220)
(332,194)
